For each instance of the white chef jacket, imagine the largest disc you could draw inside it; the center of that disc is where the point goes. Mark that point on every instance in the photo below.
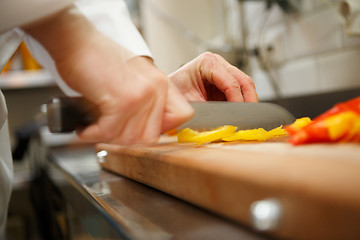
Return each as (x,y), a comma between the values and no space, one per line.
(111,17)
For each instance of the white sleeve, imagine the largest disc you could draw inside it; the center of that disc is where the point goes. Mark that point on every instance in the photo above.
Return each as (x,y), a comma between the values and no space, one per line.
(110,17)
(15,13)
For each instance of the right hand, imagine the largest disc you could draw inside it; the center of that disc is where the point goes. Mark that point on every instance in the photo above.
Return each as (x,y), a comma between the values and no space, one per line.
(135,99)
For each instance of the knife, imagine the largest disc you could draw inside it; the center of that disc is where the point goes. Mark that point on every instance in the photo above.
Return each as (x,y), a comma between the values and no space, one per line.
(65,114)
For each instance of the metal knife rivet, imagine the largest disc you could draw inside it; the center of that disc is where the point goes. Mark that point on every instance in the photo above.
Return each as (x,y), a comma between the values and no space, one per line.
(266,214)
(102,156)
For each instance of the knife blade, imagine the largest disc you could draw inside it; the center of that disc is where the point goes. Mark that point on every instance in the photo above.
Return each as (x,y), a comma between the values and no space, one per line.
(65,114)
(244,115)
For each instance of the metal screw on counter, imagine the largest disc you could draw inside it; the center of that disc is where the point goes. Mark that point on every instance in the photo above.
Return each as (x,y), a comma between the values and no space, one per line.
(266,214)
(102,156)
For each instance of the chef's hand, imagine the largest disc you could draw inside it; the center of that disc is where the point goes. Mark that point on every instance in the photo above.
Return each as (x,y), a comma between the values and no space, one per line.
(137,102)
(209,77)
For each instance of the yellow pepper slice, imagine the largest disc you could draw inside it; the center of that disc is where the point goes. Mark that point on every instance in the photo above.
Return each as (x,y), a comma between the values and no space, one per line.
(345,124)
(258,134)
(279,131)
(301,122)
(251,134)
(188,135)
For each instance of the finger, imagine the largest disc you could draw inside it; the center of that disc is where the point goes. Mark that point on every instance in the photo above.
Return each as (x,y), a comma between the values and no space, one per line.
(177,110)
(249,91)
(217,75)
(145,123)
(96,132)
(126,127)
(114,124)
(144,126)
(246,83)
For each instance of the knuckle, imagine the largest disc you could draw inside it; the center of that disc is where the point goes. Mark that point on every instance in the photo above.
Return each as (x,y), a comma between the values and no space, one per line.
(235,84)
(236,70)
(158,81)
(147,90)
(135,97)
(207,55)
(249,80)
(209,59)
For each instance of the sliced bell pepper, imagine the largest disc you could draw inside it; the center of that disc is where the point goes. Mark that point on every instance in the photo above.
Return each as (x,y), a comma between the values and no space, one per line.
(339,124)
(298,124)
(258,134)
(276,132)
(188,135)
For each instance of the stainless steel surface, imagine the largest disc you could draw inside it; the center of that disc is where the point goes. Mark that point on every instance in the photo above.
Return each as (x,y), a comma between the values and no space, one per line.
(133,210)
(53,109)
(266,214)
(101,156)
(209,115)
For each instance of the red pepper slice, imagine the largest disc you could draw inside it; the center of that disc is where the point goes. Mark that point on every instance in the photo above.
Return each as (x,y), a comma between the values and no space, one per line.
(339,124)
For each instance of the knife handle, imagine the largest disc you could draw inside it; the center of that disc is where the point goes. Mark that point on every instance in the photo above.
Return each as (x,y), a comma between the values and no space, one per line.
(67,114)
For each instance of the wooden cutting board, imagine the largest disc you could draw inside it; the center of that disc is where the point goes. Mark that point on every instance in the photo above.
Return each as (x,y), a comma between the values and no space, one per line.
(317,186)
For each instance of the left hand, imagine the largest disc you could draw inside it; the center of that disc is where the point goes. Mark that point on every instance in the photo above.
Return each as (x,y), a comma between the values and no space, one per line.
(209,77)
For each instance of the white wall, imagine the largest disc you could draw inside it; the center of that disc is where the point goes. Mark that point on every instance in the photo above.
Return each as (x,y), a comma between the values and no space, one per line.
(165,24)
(311,51)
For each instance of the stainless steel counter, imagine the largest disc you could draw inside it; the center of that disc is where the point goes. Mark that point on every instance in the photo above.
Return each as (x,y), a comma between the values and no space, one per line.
(110,206)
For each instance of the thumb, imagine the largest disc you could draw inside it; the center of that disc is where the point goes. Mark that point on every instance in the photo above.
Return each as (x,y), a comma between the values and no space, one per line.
(177,109)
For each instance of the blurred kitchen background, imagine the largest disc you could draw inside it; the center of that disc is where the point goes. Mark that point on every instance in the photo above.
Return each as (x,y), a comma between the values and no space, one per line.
(290,48)
(293,49)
